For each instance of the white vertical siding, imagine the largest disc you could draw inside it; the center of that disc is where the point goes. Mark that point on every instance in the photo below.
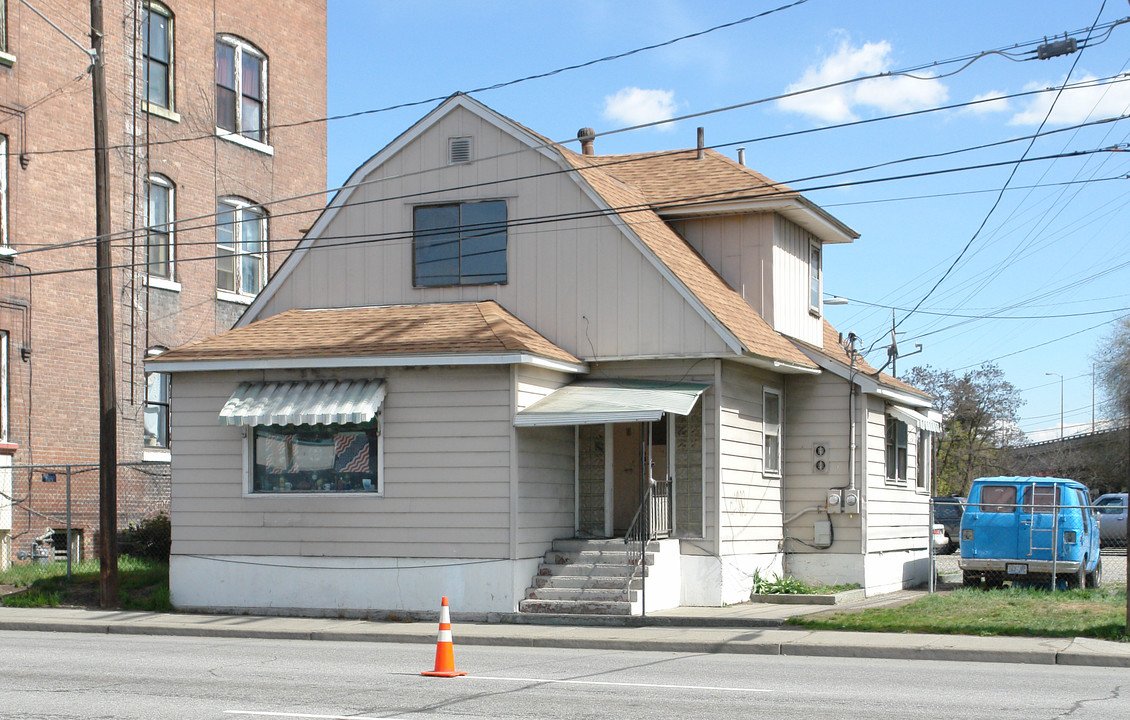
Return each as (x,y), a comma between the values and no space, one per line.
(751,499)
(446,483)
(897,514)
(579,282)
(740,249)
(791,283)
(817,412)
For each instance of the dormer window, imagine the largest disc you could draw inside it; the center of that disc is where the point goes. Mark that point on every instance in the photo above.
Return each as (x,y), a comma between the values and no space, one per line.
(815,287)
(460,244)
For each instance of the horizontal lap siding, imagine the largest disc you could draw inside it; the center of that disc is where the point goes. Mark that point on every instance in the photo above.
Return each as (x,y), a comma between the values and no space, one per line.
(897,515)
(546,460)
(579,282)
(751,500)
(446,475)
(816,408)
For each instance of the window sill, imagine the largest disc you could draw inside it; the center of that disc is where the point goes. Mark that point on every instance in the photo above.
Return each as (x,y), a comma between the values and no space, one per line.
(162,283)
(160,112)
(311,495)
(238,298)
(245,142)
(156,455)
(7,59)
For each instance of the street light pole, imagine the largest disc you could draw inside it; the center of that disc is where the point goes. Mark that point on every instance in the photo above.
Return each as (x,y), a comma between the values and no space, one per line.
(1060,402)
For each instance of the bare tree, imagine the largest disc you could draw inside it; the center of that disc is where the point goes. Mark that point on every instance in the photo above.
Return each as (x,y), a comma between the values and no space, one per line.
(979,410)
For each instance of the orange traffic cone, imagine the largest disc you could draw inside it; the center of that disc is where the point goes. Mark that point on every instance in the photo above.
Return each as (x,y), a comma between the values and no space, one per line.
(445,651)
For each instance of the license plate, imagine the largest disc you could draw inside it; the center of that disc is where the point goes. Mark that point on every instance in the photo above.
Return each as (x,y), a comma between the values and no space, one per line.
(1016,569)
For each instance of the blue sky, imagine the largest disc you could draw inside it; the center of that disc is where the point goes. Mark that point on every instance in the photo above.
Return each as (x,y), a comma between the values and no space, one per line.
(1053,246)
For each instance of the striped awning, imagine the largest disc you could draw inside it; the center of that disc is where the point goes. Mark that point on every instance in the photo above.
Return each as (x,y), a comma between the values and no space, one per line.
(912,417)
(317,402)
(611,401)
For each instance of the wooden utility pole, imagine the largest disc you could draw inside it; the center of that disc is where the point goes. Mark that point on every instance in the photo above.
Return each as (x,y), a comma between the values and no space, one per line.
(107,392)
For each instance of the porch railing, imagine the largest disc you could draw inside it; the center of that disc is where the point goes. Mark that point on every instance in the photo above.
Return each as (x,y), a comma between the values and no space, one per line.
(651,522)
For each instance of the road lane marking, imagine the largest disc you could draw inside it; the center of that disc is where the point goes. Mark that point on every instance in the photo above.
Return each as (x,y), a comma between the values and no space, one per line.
(263,713)
(618,684)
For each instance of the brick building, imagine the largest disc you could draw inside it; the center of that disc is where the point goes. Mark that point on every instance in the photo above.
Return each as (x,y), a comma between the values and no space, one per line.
(209,103)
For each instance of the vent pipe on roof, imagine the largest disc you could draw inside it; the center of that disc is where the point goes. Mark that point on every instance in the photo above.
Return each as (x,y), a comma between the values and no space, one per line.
(586,136)
(741,156)
(701,143)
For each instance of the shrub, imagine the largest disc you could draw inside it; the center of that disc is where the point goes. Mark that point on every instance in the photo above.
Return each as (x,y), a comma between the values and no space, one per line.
(151,539)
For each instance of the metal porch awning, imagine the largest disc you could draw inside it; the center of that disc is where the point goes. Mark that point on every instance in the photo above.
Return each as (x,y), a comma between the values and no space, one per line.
(611,401)
(318,402)
(911,417)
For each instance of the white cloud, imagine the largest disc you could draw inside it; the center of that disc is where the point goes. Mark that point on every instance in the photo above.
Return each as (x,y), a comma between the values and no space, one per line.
(839,104)
(636,106)
(1075,105)
(991,105)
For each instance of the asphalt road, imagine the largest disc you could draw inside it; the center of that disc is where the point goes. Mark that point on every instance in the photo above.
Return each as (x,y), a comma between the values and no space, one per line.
(62,676)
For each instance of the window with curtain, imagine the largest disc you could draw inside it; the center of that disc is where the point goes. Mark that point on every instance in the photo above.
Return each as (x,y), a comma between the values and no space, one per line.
(159,227)
(157,52)
(241,243)
(241,82)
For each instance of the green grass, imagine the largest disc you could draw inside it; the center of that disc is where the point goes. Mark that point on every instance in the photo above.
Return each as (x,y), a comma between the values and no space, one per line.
(142,585)
(1024,612)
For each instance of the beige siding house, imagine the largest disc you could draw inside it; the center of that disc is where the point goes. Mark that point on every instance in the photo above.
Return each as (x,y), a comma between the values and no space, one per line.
(492,361)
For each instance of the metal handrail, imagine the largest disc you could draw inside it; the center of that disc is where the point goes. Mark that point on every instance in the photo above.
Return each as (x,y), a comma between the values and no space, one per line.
(638,536)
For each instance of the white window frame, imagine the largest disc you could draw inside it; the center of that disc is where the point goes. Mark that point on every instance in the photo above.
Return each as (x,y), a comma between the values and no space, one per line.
(776,430)
(166,381)
(923,461)
(4,205)
(888,443)
(241,207)
(241,46)
(151,7)
(249,471)
(169,226)
(4,396)
(815,277)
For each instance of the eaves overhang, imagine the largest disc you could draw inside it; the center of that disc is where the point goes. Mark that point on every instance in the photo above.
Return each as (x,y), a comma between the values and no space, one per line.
(364,361)
(866,381)
(799,210)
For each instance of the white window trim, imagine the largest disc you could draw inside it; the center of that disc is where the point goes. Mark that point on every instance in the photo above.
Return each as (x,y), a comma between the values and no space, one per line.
(923,461)
(4,395)
(164,112)
(162,283)
(156,455)
(7,59)
(773,472)
(816,308)
(239,295)
(241,46)
(248,468)
(157,179)
(896,481)
(4,191)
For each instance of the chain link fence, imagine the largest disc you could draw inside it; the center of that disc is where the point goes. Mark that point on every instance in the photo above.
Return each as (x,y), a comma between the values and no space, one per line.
(1027,536)
(49,514)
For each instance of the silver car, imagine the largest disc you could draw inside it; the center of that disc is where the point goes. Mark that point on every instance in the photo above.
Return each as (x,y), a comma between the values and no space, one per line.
(1111,509)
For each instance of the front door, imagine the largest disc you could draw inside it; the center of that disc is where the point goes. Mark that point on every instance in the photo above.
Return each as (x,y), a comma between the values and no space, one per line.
(629,453)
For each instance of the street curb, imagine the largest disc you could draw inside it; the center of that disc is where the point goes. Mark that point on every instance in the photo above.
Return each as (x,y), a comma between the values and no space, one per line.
(803,646)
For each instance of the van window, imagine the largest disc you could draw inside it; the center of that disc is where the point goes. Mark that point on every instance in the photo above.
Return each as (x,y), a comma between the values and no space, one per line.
(1040,498)
(998,498)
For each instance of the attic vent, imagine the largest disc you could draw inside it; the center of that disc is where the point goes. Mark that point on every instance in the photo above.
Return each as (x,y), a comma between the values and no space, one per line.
(458,150)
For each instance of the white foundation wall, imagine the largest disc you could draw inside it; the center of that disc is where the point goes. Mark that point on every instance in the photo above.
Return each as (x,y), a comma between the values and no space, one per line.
(346,586)
(876,573)
(663,582)
(891,571)
(710,581)
(5,511)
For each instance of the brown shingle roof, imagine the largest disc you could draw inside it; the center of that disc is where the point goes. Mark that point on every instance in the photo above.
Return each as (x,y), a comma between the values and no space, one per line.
(677,178)
(441,328)
(722,301)
(836,351)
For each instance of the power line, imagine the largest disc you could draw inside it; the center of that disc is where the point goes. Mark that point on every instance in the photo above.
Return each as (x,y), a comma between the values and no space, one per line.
(1000,196)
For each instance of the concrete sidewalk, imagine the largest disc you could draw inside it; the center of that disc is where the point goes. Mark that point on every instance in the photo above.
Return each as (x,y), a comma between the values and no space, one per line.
(744,629)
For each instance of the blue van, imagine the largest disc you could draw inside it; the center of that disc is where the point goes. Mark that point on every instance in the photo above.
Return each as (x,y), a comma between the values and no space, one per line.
(1013,525)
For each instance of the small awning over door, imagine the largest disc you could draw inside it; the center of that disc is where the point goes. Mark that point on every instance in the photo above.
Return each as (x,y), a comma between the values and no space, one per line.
(611,401)
(317,402)
(911,417)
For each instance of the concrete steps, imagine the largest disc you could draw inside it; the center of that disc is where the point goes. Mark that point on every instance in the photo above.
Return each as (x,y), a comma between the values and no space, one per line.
(586,577)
